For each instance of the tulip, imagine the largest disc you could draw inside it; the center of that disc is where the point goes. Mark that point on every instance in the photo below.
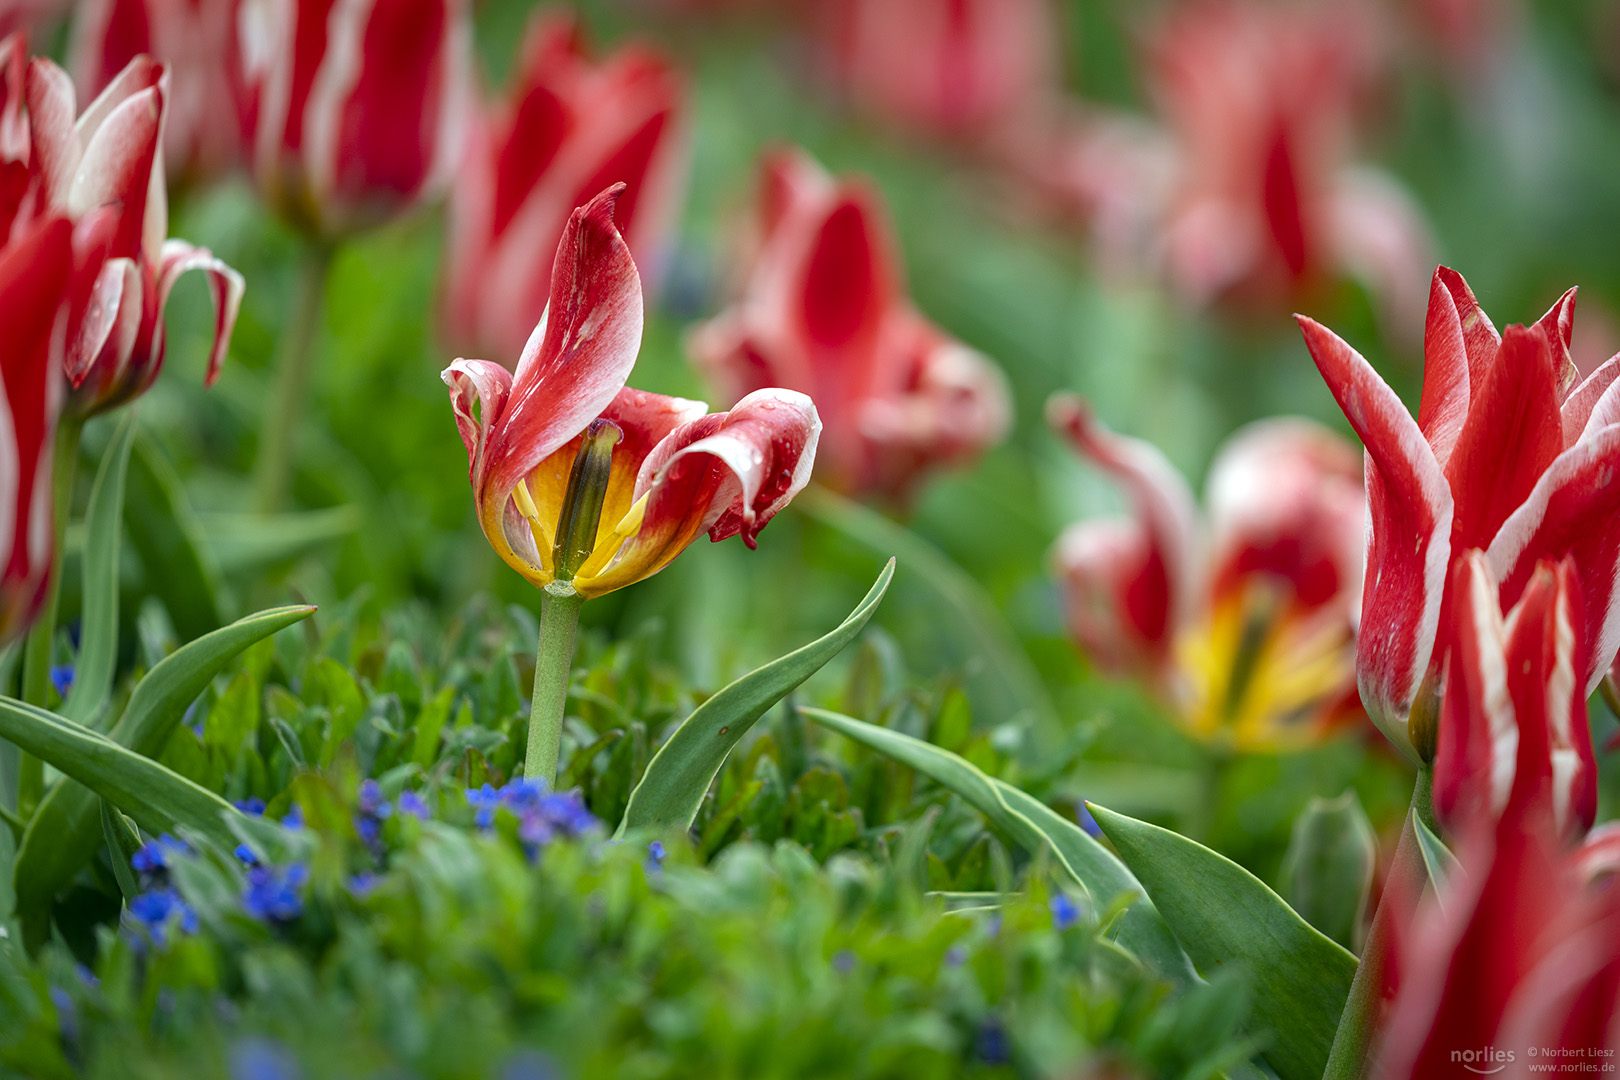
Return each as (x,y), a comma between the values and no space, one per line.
(824,312)
(1514,734)
(570,129)
(1248,635)
(29,15)
(109,160)
(583,485)
(195,40)
(352,112)
(1508,454)
(35,270)
(945,67)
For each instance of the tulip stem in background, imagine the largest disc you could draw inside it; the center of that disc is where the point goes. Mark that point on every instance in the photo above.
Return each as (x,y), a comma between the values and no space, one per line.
(559,617)
(36,672)
(1358,1024)
(279,434)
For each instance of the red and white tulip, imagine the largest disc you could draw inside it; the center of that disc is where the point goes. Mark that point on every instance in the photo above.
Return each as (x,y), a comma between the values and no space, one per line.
(1245,621)
(665,468)
(352,110)
(570,128)
(1508,454)
(106,163)
(824,311)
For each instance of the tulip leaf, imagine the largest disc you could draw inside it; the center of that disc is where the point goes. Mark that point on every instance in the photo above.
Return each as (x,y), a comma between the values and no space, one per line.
(122,844)
(1224,917)
(677,777)
(98,638)
(1437,858)
(1032,824)
(180,568)
(62,834)
(966,608)
(247,541)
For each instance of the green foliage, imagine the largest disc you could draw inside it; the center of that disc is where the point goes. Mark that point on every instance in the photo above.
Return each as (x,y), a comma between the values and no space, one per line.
(1328,870)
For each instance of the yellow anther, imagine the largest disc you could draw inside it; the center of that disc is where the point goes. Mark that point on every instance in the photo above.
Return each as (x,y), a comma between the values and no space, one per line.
(630,524)
(525,502)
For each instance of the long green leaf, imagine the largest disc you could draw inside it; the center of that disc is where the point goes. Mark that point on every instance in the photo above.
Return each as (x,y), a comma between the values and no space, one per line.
(1437,858)
(672,789)
(180,568)
(241,542)
(64,830)
(1031,823)
(1225,916)
(98,622)
(158,798)
(122,844)
(966,608)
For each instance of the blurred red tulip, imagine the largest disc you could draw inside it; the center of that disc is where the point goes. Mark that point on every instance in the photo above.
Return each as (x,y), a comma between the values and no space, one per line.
(1514,735)
(26,15)
(1518,955)
(195,40)
(35,271)
(106,164)
(824,311)
(352,110)
(1245,195)
(945,67)
(1247,632)
(564,433)
(1509,454)
(570,129)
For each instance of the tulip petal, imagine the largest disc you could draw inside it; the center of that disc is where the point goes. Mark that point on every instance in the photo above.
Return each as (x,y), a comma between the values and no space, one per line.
(117,168)
(1409,540)
(1096,563)
(579,356)
(52,109)
(1573,510)
(1559,326)
(727,473)
(1478,745)
(1160,594)
(1590,407)
(224,284)
(480,385)
(1480,338)
(1445,372)
(1512,434)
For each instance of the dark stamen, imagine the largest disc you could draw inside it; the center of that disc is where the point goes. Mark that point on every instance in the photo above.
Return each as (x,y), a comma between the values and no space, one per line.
(582,504)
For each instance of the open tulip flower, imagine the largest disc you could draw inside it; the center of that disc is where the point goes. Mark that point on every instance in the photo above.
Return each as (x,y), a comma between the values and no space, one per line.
(1509,453)
(195,40)
(944,67)
(1513,725)
(108,161)
(824,311)
(352,112)
(571,128)
(1250,637)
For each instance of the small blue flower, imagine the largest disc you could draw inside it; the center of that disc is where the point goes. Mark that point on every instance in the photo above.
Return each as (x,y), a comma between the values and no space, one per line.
(955,956)
(156,855)
(275,894)
(843,961)
(411,803)
(655,856)
(62,679)
(991,1043)
(529,1065)
(257,1058)
(294,818)
(486,800)
(158,910)
(190,720)
(86,976)
(245,854)
(1089,823)
(372,803)
(67,1014)
(361,885)
(1065,913)
(253,806)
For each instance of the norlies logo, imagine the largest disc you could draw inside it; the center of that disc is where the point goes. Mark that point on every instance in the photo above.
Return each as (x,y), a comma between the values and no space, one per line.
(1485,1061)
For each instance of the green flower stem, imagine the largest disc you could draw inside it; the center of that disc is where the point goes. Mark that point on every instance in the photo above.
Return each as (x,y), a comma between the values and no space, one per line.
(279,436)
(1359,1022)
(36,673)
(559,618)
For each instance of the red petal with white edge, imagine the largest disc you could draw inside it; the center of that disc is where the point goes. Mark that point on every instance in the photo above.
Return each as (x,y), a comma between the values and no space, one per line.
(52,109)
(13,122)
(1096,563)
(1599,854)
(580,355)
(1513,433)
(1559,325)
(117,170)
(224,284)
(480,385)
(727,473)
(1409,541)
(1160,597)
(1590,405)
(1574,510)
(1478,745)
(1445,371)
(1479,336)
